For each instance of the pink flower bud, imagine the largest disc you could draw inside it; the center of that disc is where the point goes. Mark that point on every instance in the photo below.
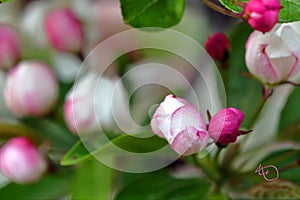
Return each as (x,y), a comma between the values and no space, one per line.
(181,125)
(31,89)
(89,105)
(64,31)
(273,58)
(218,47)
(224,126)
(21,161)
(10,49)
(262,15)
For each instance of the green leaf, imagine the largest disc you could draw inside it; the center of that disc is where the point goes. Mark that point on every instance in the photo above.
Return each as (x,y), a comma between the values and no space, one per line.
(290,117)
(161,185)
(290,11)
(242,93)
(92,181)
(231,6)
(152,13)
(50,187)
(59,136)
(78,152)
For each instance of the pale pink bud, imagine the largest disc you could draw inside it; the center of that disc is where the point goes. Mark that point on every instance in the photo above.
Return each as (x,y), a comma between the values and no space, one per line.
(31,89)
(64,30)
(224,127)
(21,161)
(273,58)
(89,105)
(181,125)
(262,15)
(10,46)
(217,46)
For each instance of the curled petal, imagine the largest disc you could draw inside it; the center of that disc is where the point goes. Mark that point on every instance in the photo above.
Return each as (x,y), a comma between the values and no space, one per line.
(186,116)
(190,141)
(161,120)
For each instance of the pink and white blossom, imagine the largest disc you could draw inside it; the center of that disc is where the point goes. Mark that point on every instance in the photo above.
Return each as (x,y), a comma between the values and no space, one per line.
(31,89)
(10,46)
(64,30)
(262,15)
(273,57)
(224,127)
(89,104)
(21,161)
(181,125)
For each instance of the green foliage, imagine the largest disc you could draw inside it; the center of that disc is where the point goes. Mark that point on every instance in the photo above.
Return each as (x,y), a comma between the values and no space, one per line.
(152,13)
(78,152)
(92,181)
(242,93)
(161,185)
(290,11)
(60,136)
(231,6)
(290,117)
(50,187)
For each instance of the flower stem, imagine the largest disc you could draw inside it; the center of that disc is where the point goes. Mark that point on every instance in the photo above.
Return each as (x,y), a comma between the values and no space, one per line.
(8,130)
(257,112)
(288,166)
(220,9)
(207,170)
(216,164)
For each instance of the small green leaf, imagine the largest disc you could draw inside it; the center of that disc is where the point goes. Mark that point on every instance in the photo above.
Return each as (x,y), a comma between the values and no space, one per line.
(92,181)
(290,11)
(161,185)
(231,6)
(78,153)
(152,13)
(75,155)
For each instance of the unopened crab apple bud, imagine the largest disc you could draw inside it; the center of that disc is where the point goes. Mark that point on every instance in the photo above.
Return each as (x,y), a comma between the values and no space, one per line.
(89,104)
(218,47)
(64,30)
(10,46)
(224,127)
(273,57)
(31,89)
(181,125)
(262,15)
(21,161)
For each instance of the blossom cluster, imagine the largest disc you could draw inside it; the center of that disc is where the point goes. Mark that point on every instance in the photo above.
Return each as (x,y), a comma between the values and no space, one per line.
(32,86)
(184,128)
